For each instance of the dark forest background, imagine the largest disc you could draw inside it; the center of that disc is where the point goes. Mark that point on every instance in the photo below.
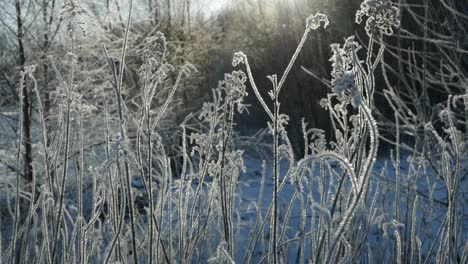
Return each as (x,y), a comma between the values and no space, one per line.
(207,33)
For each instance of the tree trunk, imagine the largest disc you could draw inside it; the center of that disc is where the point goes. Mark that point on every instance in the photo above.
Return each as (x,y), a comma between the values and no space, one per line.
(168,3)
(27,156)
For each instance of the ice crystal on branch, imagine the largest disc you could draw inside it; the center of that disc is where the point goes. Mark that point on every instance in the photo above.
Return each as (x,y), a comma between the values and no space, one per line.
(381,15)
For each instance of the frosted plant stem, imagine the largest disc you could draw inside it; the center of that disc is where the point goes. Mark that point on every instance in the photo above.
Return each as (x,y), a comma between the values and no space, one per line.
(293,59)
(150,185)
(288,215)
(263,224)
(118,80)
(82,243)
(302,229)
(67,143)
(335,201)
(452,186)
(44,133)
(413,230)
(158,225)
(64,177)
(202,230)
(369,164)
(275,175)
(112,205)
(18,161)
(204,168)
(398,245)
(23,228)
(168,100)
(46,167)
(223,185)
(170,208)
(45,243)
(248,257)
(181,209)
(370,88)
(398,171)
(121,219)
(257,93)
(226,210)
(152,218)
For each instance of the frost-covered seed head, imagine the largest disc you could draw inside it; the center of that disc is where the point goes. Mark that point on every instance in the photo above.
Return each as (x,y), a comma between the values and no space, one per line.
(187,69)
(313,21)
(30,70)
(72,8)
(346,89)
(231,90)
(73,11)
(343,72)
(154,49)
(154,67)
(337,61)
(235,88)
(239,57)
(342,58)
(381,15)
